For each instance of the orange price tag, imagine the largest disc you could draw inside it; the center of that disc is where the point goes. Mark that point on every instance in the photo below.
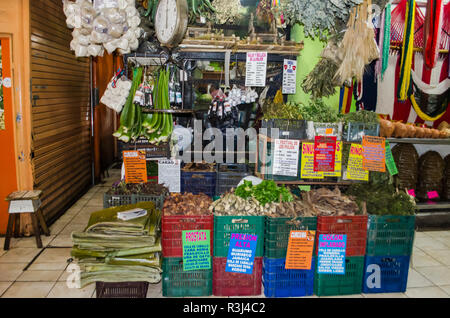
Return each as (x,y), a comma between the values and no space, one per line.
(374,153)
(135,166)
(328,131)
(300,249)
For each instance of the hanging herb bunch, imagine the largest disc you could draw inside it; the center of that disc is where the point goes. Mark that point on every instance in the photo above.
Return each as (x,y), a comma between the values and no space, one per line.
(319,18)
(227,11)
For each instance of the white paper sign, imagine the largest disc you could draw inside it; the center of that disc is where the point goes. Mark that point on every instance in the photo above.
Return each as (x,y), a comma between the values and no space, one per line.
(131,214)
(169,174)
(285,159)
(256,67)
(24,206)
(289,76)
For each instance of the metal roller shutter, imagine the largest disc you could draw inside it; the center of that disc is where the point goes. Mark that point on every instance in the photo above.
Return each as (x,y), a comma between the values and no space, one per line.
(61,112)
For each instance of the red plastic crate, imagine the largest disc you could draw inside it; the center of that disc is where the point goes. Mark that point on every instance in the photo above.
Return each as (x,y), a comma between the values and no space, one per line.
(236,284)
(172,227)
(355,227)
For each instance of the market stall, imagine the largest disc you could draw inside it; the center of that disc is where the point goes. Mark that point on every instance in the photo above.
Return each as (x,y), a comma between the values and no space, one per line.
(233,185)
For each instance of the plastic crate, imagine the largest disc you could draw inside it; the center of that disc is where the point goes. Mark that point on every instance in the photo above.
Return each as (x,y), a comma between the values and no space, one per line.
(121,290)
(236,284)
(287,128)
(110,200)
(320,129)
(356,130)
(179,283)
(229,175)
(355,227)
(390,235)
(224,226)
(151,151)
(198,182)
(266,158)
(393,271)
(335,284)
(276,238)
(281,282)
(172,227)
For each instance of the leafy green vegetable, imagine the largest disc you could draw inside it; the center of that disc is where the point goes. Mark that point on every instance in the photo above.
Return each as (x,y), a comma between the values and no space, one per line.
(265,192)
(318,112)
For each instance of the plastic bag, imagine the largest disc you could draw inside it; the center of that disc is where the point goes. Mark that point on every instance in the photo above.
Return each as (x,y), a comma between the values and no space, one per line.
(94,50)
(88,14)
(134,22)
(81,50)
(114,15)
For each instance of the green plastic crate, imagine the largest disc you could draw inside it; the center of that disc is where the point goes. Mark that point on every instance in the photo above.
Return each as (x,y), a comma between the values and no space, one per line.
(277,233)
(179,283)
(110,200)
(224,226)
(335,285)
(390,235)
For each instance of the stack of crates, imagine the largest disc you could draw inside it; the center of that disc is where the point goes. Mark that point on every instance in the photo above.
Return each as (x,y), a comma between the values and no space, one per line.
(278,281)
(229,175)
(355,227)
(389,247)
(237,284)
(175,281)
(197,182)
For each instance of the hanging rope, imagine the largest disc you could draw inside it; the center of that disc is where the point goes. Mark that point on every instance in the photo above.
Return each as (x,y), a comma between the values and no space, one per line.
(405,84)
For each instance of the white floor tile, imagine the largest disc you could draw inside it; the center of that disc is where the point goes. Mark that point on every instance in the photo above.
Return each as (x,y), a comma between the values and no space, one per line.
(28,290)
(438,275)
(426,292)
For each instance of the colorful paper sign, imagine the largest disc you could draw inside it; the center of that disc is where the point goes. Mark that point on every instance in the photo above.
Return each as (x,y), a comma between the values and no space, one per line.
(307,163)
(300,250)
(169,174)
(305,188)
(256,67)
(324,153)
(289,76)
(374,153)
(355,169)
(390,162)
(331,254)
(135,166)
(285,159)
(196,250)
(241,253)
(337,162)
(412,192)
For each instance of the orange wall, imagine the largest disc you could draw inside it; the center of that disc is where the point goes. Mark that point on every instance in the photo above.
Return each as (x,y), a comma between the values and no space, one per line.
(14,22)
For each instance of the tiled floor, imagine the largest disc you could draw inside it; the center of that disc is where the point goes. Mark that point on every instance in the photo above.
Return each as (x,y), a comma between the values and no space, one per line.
(47,269)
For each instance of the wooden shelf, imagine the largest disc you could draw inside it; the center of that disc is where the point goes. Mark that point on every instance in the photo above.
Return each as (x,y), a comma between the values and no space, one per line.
(437,206)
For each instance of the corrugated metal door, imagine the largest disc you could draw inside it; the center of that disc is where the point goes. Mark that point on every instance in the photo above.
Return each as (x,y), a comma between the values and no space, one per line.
(61,125)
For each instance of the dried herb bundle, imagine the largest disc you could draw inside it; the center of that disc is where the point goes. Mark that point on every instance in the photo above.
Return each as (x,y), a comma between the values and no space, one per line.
(187,204)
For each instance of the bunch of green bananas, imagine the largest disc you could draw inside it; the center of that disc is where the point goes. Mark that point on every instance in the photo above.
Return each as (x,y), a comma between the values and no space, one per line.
(131,116)
(158,127)
(199,8)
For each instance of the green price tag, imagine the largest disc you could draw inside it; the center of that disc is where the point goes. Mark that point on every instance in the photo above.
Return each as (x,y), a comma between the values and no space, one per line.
(390,163)
(196,250)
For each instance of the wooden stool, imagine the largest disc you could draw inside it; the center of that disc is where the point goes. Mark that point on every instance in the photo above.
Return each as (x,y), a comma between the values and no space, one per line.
(25,202)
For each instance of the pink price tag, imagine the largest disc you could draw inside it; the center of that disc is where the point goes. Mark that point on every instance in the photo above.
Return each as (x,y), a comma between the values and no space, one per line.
(433,195)
(411,192)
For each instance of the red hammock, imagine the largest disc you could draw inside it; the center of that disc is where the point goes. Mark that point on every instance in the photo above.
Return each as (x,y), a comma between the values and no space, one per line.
(398,25)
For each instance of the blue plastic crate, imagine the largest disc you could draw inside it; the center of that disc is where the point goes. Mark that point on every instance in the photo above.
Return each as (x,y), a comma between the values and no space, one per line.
(199,182)
(385,274)
(281,282)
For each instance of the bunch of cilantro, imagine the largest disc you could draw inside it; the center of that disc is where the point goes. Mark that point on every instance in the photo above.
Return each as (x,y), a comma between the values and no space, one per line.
(265,192)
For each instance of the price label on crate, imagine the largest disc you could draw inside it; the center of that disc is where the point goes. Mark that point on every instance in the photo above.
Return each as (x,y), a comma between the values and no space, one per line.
(241,253)
(135,166)
(331,254)
(300,249)
(196,250)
